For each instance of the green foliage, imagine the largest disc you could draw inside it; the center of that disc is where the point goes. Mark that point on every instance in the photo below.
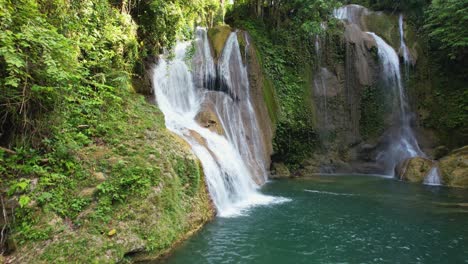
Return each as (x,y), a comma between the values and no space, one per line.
(446,24)
(295,135)
(161,22)
(72,61)
(305,15)
(281,27)
(66,96)
(413,8)
(372,108)
(189,174)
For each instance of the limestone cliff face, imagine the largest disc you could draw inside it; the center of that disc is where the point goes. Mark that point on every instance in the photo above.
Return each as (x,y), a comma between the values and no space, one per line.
(348,94)
(260,94)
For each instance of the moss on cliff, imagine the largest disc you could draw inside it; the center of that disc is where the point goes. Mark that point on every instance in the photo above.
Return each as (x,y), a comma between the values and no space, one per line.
(372,121)
(218,36)
(385,25)
(454,168)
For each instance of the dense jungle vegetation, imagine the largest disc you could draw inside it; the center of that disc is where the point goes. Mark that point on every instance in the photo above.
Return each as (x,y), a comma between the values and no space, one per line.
(70,69)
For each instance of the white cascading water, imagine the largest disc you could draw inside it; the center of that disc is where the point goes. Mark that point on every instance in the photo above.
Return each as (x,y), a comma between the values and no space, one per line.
(229,179)
(350,13)
(404,49)
(403,143)
(321,92)
(433,177)
(236,111)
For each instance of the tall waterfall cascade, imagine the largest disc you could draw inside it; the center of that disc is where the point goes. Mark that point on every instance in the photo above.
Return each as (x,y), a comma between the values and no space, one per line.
(403,143)
(231,162)
(401,140)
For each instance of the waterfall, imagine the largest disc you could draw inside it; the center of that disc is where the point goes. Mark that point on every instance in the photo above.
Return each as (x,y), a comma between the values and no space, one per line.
(390,63)
(205,72)
(236,111)
(433,177)
(350,13)
(403,47)
(402,141)
(321,93)
(229,177)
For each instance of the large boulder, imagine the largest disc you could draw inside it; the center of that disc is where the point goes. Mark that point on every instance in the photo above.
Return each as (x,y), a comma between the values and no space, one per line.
(414,169)
(454,168)
(208,118)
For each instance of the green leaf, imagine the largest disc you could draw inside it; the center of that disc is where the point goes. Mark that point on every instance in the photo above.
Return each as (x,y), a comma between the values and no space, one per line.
(24,200)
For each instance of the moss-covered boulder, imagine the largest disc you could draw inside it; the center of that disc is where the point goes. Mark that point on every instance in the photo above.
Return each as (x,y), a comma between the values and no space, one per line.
(454,168)
(414,169)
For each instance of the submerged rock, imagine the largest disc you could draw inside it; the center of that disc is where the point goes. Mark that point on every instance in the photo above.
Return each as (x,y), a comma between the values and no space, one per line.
(414,169)
(454,168)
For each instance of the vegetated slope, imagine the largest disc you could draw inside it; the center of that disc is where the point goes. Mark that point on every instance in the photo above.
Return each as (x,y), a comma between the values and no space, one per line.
(87,164)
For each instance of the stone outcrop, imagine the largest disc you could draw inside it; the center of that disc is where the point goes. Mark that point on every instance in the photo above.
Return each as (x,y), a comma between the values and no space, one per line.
(208,118)
(414,169)
(363,61)
(218,36)
(454,168)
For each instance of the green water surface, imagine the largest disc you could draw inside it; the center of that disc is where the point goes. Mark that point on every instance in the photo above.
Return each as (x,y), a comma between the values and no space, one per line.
(339,219)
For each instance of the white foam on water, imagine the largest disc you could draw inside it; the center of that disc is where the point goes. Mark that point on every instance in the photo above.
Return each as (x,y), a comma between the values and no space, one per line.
(329,193)
(433,178)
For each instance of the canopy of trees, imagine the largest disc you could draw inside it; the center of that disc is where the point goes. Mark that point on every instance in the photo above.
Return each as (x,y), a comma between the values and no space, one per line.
(447,25)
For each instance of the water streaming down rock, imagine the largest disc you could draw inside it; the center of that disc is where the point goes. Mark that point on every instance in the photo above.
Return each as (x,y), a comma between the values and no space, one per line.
(236,111)
(350,13)
(433,177)
(403,48)
(401,141)
(230,179)
(205,71)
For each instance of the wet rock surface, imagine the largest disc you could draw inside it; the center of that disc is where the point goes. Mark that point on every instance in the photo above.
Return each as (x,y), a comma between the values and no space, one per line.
(414,169)
(454,168)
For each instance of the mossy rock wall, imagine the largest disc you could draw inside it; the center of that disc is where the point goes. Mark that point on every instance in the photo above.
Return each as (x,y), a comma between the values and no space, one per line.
(454,168)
